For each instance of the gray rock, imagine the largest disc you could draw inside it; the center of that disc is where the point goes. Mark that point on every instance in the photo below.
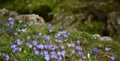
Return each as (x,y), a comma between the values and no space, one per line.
(31,19)
(5,12)
(106,38)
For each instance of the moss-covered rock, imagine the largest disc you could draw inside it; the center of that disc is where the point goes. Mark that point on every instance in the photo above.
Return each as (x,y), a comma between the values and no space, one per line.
(30,19)
(40,7)
(85,16)
(114,25)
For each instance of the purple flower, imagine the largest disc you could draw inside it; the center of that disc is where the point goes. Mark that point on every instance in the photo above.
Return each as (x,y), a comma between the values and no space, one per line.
(42,53)
(34,48)
(28,37)
(107,49)
(37,36)
(59,58)
(47,57)
(62,47)
(19,42)
(53,48)
(58,53)
(50,30)
(29,45)
(10,19)
(20,21)
(80,53)
(78,41)
(54,55)
(49,25)
(20,49)
(47,38)
(35,42)
(40,46)
(112,58)
(15,33)
(79,48)
(46,46)
(62,53)
(7,57)
(73,52)
(95,50)
(13,46)
(1,23)
(16,49)
(71,45)
(45,52)
(36,52)
(58,41)
(16,59)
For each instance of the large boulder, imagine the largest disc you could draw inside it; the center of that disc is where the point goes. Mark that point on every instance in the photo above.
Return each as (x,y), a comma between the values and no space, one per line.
(30,19)
(114,25)
(83,16)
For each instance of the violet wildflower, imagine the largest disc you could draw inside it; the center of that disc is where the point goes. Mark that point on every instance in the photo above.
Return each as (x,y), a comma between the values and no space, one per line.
(28,37)
(34,48)
(47,38)
(13,46)
(35,42)
(37,36)
(107,49)
(49,25)
(20,49)
(50,46)
(1,23)
(80,53)
(46,46)
(29,45)
(47,57)
(53,55)
(53,48)
(71,45)
(16,49)
(78,48)
(95,50)
(58,53)
(73,52)
(58,41)
(15,33)
(40,46)
(60,59)
(11,21)
(63,53)
(78,41)
(16,59)
(50,30)
(19,42)
(45,52)
(7,57)
(42,53)
(62,47)
(112,58)
(36,52)
(20,21)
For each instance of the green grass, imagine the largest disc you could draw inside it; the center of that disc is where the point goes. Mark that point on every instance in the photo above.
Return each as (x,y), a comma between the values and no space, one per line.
(87,43)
